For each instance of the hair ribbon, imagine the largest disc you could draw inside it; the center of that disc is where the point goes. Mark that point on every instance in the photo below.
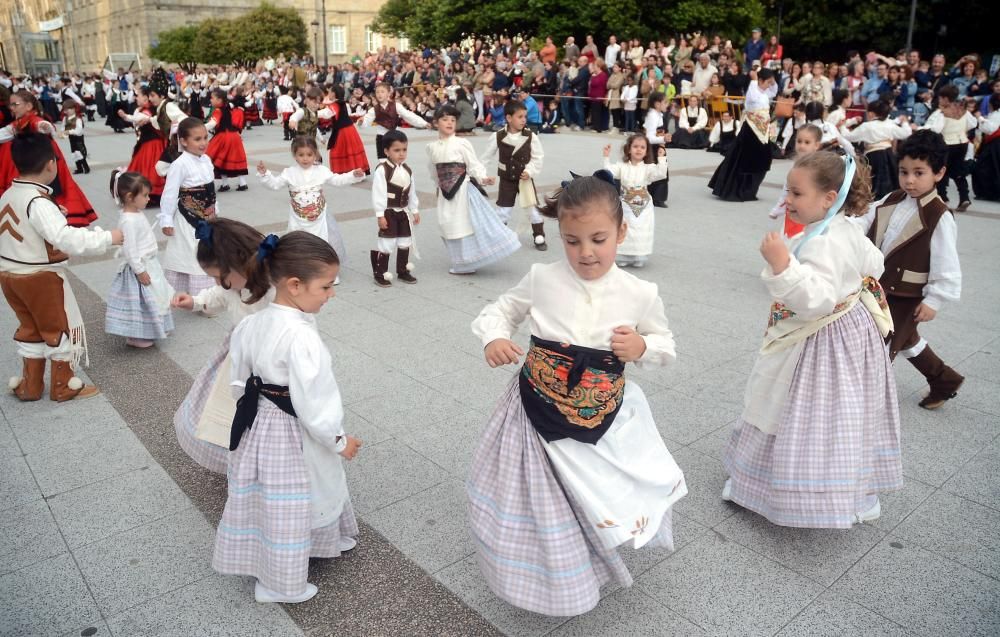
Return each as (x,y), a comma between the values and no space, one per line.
(845,189)
(266,248)
(203,232)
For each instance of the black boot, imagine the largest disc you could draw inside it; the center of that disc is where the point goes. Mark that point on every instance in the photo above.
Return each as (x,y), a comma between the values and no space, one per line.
(380,265)
(86,166)
(79,167)
(403,266)
(943,380)
(538,232)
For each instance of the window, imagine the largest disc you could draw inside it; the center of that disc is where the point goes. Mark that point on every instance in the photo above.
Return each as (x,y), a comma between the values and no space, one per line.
(338,39)
(404,44)
(373,41)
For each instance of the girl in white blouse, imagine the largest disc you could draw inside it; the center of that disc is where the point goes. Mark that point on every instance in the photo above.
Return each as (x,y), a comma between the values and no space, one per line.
(818,438)
(288,498)
(138,305)
(572,452)
(305,181)
(636,174)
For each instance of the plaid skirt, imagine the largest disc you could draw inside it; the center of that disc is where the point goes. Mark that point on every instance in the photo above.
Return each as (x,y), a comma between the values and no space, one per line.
(490,240)
(190,283)
(265,530)
(210,456)
(838,440)
(530,544)
(132,311)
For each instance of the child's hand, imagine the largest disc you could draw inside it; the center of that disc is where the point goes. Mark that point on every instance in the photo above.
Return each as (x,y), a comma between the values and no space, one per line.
(261,168)
(143,278)
(775,252)
(607,150)
(416,218)
(117,238)
(182,301)
(383,223)
(502,351)
(358,173)
(351,450)
(627,344)
(489,181)
(924,313)
(525,176)
(167,232)
(121,114)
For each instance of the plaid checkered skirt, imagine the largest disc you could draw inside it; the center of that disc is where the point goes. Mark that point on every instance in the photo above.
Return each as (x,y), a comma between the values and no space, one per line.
(265,530)
(190,283)
(490,241)
(212,457)
(838,440)
(530,545)
(132,311)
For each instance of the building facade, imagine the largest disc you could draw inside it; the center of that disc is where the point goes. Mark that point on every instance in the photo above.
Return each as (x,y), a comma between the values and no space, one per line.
(39,36)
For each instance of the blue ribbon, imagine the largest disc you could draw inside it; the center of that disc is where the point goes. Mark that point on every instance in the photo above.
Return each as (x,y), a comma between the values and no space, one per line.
(603,174)
(204,232)
(266,247)
(845,189)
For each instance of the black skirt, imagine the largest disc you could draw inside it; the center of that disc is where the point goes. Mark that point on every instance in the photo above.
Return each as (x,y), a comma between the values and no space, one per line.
(885,172)
(683,139)
(740,174)
(986,172)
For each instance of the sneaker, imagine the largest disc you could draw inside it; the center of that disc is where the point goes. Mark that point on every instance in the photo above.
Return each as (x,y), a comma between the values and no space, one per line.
(265,595)
(871,514)
(346,544)
(727,490)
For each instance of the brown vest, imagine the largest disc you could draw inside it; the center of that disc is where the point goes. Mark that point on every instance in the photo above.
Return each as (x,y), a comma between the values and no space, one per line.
(396,198)
(908,264)
(387,117)
(307,125)
(513,162)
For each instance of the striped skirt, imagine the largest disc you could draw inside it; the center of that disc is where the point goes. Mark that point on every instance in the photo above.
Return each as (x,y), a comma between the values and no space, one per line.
(210,456)
(132,310)
(530,545)
(490,240)
(838,441)
(266,531)
(190,283)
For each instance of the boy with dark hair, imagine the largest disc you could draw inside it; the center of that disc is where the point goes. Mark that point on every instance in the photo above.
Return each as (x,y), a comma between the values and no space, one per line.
(953,121)
(395,202)
(519,162)
(35,243)
(387,114)
(917,234)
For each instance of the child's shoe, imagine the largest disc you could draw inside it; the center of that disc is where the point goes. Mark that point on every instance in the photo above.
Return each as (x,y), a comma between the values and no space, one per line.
(265,595)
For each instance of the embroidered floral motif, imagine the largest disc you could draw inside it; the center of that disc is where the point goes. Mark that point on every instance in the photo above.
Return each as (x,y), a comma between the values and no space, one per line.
(597,394)
(607,524)
(640,526)
(636,198)
(875,289)
(308,204)
(779,312)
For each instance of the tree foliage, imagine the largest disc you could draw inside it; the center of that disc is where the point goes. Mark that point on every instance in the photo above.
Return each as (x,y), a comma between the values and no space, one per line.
(267,30)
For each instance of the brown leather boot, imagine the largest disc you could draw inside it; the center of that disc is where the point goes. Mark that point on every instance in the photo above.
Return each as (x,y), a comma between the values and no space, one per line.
(66,385)
(943,380)
(538,232)
(403,266)
(380,265)
(31,384)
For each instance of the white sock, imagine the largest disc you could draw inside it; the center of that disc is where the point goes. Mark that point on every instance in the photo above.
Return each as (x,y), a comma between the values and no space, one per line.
(243,180)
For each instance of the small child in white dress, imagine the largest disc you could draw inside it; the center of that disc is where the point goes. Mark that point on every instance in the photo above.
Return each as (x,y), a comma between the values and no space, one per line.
(305,181)
(138,305)
(635,175)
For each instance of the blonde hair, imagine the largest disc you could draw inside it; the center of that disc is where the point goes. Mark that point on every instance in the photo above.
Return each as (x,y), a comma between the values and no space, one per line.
(827,169)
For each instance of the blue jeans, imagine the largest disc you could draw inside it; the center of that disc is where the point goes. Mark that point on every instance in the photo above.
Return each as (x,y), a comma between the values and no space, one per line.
(566,110)
(629,121)
(576,110)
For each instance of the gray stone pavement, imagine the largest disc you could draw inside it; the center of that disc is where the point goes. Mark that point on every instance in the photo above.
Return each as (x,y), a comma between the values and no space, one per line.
(106,527)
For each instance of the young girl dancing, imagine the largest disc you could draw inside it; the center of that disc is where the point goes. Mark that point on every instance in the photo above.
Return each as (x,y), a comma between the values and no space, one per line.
(226,250)
(305,181)
(347,152)
(188,197)
(807,142)
(226,148)
(819,435)
(471,229)
(571,464)
(636,173)
(150,143)
(139,300)
(288,498)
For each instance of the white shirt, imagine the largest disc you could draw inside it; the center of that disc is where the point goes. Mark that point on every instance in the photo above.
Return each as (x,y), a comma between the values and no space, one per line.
(187,171)
(630,94)
(453,214)
(720,127)
(831,133)
(408,116)
(380,192)
(953,130)
(308,207)
(944,281)
(637,175)
(654,120)
(282,345)
(699,113)
(757,99)
(217,299)
(139,242)
(285,104)
(562,307)
(611,54)
(702,77)
(878,134)
(516,140)
(989,125)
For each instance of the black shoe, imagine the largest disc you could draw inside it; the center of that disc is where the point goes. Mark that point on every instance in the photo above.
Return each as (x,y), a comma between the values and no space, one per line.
(242,188)
(225,188)
(86,167)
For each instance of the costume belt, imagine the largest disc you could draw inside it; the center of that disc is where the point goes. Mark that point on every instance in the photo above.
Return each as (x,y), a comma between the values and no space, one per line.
(571,392)
(247,405)
(197,203)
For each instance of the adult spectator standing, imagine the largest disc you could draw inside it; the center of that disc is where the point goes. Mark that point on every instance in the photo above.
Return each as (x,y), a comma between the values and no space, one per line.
(590,49)
(611,52)
(597,93)
(702,76)
(548,52)
(935,79)
(754,50)
(772,54)
(878,85)
(581,87)
(571,49)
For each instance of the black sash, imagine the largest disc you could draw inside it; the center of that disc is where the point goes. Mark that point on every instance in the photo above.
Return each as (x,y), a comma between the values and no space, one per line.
(197,203)
(450,177)
(246,406)
(571,392)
